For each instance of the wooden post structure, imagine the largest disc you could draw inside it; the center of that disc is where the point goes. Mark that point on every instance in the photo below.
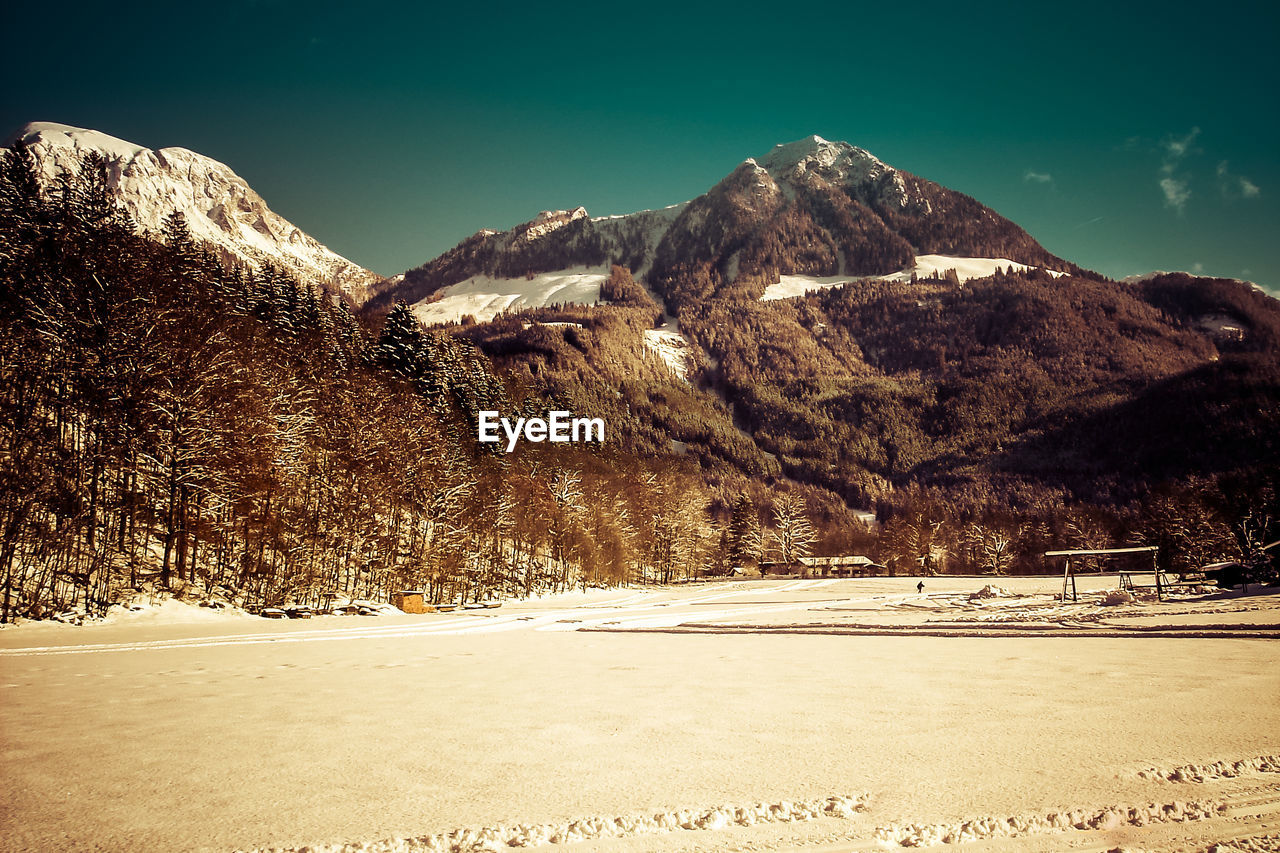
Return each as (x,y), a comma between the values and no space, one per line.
(1102,552)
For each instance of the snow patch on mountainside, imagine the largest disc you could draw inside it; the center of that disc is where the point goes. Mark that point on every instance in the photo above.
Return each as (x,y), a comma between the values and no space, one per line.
(484,297)
(220,207)
(669,344)
(926,266)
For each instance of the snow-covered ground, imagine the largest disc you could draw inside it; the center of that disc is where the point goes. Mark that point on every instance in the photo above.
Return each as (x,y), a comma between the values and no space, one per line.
(926,266)
(484,297)
(811,715)
(670,344)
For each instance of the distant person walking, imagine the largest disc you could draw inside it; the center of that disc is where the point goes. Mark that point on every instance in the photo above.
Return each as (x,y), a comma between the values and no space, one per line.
(920,587)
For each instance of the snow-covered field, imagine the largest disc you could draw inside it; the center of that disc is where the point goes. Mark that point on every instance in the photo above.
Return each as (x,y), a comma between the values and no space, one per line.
(926,266)
(811,715)
(484,297)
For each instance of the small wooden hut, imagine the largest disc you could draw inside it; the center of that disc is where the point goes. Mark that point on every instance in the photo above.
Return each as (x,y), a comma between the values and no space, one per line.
(410,600)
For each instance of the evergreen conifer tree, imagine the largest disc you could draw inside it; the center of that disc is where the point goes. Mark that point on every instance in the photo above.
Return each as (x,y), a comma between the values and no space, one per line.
(399,347)
(743,541)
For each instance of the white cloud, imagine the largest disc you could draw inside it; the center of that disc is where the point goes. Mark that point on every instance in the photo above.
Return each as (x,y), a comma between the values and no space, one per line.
(1176,193)
(1235,186)
(1197,268)
(1175,185)
(1037,177)
(1177,147)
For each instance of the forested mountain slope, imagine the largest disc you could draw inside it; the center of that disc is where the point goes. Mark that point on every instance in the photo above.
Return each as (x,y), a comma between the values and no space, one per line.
(995,379)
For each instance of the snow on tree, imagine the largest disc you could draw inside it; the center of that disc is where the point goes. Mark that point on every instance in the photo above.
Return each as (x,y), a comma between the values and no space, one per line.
(793,533)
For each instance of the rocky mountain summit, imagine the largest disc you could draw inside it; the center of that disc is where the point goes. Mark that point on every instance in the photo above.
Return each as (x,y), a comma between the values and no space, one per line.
(220,208)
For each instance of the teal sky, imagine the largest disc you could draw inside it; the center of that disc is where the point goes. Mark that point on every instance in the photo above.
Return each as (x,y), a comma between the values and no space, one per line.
(1125,137)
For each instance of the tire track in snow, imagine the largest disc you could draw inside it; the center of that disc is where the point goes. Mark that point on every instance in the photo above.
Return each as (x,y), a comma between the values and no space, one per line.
(1105,819)
(490,838)
(1238,817)
(1243,813)
(1246,843)
(1214,771)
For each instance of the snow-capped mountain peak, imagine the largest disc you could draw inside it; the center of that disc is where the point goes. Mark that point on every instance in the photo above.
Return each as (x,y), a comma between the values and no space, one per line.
(837,163)
(77,138)
(221,209)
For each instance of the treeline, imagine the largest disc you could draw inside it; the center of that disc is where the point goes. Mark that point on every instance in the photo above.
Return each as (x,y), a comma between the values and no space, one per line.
(1193,524)
(171,421)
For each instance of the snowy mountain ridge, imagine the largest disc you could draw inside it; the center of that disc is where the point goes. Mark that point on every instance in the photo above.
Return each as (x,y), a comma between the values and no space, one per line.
(546,222)
(559,242)
(865,219)
(220,208)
